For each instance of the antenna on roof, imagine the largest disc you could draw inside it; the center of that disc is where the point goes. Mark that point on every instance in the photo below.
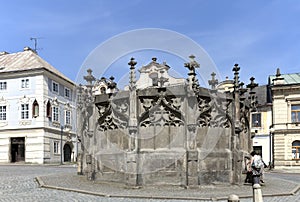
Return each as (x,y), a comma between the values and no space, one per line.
(35,43)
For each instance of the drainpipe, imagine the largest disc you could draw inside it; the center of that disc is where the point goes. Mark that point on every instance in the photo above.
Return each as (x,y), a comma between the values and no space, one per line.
(61,143)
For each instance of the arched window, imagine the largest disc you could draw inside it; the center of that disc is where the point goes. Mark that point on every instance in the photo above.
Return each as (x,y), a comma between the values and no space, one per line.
(48,109)
(103,90)
(296,149)
(35,109)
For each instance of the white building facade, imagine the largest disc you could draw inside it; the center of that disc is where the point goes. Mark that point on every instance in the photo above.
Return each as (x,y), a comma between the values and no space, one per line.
(37,111)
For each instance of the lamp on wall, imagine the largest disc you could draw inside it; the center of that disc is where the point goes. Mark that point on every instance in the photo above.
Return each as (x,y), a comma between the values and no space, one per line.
(272,130)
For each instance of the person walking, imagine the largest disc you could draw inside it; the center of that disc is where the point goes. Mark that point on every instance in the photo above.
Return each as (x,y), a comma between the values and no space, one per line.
(256,167)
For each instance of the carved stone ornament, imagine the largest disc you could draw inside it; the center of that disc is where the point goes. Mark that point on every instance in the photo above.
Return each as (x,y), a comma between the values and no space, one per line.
(3,101)
(3,123)
(24,100)
(204,109)
(192,127)
(113,116)
(147,103)
(244,122)
(161,113)
(213,112)
(25,122)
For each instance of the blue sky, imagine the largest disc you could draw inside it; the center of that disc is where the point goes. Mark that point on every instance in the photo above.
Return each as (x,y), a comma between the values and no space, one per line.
(258,35)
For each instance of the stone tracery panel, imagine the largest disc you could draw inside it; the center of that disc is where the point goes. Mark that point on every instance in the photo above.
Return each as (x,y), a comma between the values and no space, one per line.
(113,115)
(213,112)
(160,113)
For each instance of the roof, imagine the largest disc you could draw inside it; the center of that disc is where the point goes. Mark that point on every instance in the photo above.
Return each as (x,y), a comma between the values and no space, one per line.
(263,95)
(288,78)
(25,61)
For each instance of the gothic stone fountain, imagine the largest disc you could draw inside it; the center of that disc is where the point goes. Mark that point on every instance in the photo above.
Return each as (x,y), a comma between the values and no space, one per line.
(163,130)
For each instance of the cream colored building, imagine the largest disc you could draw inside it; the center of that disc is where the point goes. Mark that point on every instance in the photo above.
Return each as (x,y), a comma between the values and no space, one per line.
(37,111)
(285,128)
(261,120)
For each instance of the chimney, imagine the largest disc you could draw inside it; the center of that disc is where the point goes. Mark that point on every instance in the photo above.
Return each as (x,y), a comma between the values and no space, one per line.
(3,53)
(278,72)
(27,49)
(279,80)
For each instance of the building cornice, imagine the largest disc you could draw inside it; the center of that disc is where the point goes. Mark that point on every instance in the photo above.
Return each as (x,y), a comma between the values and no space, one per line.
(48,129)
(285,87)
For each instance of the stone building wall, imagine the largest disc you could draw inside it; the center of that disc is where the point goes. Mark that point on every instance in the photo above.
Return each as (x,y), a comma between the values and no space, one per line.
(285,131)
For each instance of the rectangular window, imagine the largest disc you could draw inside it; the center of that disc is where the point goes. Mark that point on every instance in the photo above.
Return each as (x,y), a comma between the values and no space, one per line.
(67,93)
(68,118)
(25,83)
(55,113)
(24,111)
(295,110)
(56,147)
(2,113)
(256,120)
(54,87)
(3,85)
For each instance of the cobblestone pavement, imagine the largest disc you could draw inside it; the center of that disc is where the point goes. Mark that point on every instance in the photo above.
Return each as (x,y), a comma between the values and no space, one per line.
(17,183)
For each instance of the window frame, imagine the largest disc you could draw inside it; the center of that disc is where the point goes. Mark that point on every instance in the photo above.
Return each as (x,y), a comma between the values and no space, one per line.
(26,82)
(55,114)
(259,124)
(56,145)
(3,113)
(296,112)
(69,92)
(68,117)
(53,87)
(2,85)
(25,111)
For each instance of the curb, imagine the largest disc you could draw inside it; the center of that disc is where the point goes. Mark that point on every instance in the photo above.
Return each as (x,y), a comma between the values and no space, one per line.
(40,165)
(294,191)
(40,181)
(42,184)
(287,171)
